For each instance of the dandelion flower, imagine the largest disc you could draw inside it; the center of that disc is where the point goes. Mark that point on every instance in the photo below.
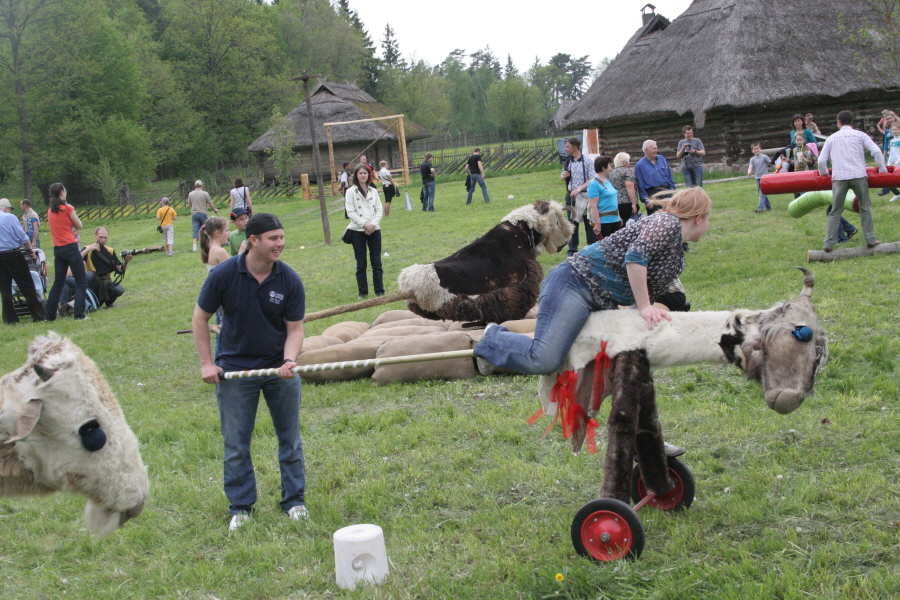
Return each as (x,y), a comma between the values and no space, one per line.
(560,577)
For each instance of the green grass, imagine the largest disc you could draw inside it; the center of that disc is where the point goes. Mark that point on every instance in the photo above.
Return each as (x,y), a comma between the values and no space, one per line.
(473,503)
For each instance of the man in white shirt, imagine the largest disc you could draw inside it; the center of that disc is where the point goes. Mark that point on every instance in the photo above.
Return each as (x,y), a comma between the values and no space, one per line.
(846,150)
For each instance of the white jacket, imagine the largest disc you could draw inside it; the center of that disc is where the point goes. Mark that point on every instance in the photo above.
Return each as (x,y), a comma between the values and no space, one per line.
(363,209)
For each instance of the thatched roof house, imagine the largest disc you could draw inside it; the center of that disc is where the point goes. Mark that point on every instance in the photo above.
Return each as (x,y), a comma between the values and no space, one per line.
(338,102)
(737,71)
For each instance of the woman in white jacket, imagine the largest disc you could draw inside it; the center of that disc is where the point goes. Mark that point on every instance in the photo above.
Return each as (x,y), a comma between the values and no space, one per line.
(365,211)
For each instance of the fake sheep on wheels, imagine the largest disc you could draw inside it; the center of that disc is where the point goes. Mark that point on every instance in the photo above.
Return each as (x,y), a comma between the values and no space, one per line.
(783,348)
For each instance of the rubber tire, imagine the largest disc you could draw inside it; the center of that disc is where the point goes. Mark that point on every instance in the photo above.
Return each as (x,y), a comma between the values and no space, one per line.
(627,523)
(677,471)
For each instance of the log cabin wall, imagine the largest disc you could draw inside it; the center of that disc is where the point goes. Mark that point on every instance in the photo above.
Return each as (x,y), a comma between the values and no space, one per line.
(728,133)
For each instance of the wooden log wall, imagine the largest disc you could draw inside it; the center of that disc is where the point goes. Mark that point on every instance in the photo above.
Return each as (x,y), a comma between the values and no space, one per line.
(727,134)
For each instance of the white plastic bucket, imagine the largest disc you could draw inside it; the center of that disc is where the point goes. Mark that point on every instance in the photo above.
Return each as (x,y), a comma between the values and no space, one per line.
(359,555)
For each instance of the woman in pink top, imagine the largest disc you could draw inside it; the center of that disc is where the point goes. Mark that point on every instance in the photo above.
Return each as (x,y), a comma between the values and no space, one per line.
(64,225)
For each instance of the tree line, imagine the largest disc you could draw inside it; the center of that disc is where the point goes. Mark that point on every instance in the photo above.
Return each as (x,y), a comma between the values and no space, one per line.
(100,93)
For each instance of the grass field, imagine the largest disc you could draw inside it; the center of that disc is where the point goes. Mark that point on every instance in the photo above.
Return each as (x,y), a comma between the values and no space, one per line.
(474,505)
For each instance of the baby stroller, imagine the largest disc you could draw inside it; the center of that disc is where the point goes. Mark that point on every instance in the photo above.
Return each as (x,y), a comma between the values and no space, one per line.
(38,268)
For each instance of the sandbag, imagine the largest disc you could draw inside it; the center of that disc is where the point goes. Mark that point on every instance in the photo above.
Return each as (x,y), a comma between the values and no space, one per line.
(394,315)
(317,342)
(403,330)
(521,325)
(418,321)
(346,331)
(457,368)
(339,353)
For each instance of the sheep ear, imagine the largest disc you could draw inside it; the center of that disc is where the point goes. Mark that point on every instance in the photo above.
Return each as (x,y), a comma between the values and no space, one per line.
(17,420)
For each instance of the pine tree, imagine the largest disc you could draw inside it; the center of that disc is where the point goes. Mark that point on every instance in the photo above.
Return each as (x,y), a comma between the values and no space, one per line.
(392,57)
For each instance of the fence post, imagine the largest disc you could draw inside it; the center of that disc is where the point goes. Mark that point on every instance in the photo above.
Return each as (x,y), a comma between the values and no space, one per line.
(304,183)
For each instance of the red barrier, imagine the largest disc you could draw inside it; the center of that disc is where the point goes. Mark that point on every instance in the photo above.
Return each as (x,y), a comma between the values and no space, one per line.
(811,181)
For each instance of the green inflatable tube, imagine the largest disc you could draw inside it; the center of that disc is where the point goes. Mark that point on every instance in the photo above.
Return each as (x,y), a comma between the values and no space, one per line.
(813,200)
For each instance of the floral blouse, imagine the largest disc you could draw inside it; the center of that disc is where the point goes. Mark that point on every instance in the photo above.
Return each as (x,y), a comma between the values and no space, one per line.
(653,241)
(618,177)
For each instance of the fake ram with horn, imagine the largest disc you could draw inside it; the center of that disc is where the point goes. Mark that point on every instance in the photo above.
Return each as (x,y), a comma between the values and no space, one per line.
(783,348)
(61,429)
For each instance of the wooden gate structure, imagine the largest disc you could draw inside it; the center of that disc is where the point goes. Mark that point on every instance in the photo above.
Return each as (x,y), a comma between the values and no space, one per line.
(401,138)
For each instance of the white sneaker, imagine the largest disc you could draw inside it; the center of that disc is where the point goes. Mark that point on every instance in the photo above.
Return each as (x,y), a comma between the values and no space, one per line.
(672,451)
(484,367)
(894,198)
(195,248)
(237,521)
(298,513)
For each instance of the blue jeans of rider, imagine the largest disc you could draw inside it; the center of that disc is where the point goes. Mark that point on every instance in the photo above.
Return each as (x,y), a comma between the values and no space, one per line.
(238,400)
(693,176)
(428,197)
(479,179)
(565,304)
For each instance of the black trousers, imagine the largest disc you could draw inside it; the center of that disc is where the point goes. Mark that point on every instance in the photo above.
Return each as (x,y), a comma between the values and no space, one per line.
(360,242)
(14,267)
(589,237)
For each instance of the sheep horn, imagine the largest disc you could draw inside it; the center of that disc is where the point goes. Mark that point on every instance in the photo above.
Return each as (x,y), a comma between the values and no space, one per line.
(570,210)
(808,282)
(43,372)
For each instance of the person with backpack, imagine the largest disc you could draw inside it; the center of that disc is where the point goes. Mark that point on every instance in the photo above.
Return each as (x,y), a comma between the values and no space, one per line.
(577,173)
(240,196)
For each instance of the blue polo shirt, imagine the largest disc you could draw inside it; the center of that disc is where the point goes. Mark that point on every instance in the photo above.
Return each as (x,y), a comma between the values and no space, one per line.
(254,329)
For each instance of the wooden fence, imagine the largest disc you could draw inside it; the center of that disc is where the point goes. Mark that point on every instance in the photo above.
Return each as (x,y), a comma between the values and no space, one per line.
(497,158)
(147,202)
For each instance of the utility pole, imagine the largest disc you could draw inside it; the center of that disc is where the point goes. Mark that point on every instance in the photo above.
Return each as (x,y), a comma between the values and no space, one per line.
(305,77)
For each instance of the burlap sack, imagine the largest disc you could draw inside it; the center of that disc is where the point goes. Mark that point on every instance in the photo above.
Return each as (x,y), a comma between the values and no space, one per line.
(346,331)
(394,315)
(458,368)
(521,325)
(339,353)
(419,321)
(403,330)
(317,342)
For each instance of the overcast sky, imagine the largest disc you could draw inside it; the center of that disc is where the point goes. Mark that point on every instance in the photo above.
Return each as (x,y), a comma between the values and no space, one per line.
(429,31)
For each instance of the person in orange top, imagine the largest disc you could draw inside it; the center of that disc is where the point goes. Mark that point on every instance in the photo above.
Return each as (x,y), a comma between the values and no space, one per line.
(64,226)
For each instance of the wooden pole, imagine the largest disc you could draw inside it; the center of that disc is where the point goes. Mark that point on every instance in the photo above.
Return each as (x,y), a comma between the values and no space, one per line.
(317,160)
(354,364)
(334,181)
(844,253)
(401,133)
(377,301)
(304,185)
(364,120)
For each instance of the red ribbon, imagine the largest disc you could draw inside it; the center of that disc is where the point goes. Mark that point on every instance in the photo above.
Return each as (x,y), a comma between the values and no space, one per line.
(563,395)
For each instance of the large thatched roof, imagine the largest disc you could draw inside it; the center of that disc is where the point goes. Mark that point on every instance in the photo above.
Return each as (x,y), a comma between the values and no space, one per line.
(337,102)
(728,53)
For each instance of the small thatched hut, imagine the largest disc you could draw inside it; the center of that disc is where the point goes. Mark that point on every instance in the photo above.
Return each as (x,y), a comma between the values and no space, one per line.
(339,102)
(737,71)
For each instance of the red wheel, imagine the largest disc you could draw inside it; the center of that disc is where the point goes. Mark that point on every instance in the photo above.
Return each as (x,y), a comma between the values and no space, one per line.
(607,529)
(681,496)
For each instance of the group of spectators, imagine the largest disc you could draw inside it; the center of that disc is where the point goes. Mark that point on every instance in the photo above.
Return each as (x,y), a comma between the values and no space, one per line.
(604,193)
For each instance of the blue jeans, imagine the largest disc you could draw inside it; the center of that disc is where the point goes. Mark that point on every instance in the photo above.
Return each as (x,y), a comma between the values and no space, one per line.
(845,230)
(479,179)
(763,199)
(197,221)
(64,258)
(238,400)
(428,201)
(693,176)
(565,305)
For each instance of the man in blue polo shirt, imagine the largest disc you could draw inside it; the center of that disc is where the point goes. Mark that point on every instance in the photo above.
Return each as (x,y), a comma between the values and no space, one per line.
(264,305)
